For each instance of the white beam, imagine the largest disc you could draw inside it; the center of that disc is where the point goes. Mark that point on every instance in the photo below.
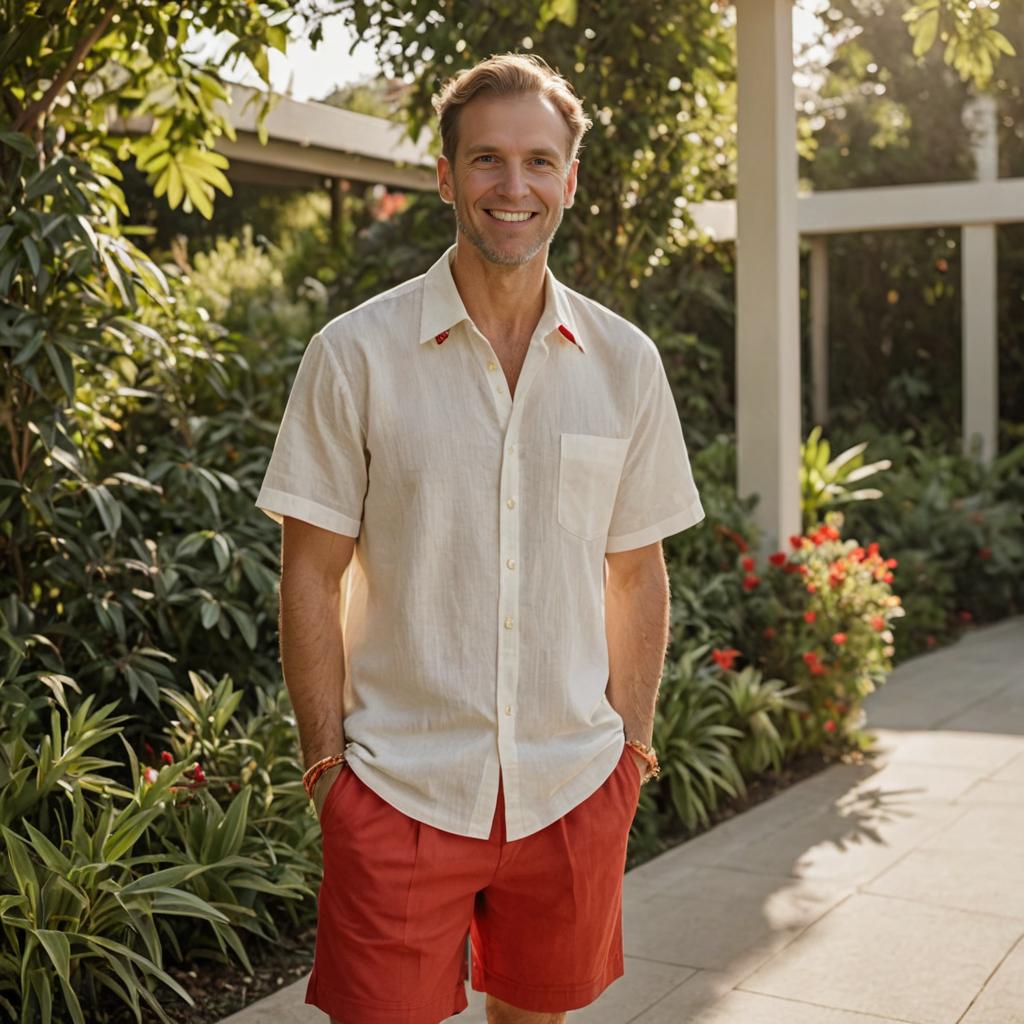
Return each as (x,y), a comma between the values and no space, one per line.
(328,163)
(767,272)
(319,124)
(899,208)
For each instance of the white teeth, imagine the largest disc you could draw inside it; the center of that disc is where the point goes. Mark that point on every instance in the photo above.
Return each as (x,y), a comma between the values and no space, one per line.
(505,215)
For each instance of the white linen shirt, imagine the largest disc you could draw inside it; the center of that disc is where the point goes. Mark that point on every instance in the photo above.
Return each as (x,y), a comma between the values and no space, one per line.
(473,614)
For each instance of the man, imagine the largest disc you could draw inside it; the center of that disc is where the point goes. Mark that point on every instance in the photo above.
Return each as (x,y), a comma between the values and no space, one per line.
(502,456)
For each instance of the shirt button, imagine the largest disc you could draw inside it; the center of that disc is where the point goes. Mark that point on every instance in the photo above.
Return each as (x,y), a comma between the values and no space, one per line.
(511,563)
(511,502)
(508,709)
(492,366)
(508,622)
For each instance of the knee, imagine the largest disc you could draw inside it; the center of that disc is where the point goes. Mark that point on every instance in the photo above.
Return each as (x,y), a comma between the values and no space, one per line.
(500,1012)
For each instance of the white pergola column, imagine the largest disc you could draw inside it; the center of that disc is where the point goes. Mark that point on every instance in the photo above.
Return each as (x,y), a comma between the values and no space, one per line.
(768,429)
(980,335)
(818,289)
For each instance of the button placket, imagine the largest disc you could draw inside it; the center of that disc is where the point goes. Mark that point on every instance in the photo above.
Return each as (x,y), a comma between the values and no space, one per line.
(508,579)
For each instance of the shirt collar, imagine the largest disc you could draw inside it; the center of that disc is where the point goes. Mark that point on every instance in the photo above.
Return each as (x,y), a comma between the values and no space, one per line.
(443,307)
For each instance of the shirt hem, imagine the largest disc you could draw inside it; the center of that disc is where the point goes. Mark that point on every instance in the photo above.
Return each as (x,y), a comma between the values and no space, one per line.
(370,780)
(683,520)
(278,504)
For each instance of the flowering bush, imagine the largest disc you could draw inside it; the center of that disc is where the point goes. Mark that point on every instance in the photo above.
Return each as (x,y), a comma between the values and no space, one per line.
(820,615)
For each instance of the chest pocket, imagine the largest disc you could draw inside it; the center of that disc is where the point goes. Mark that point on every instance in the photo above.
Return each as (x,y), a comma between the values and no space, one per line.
(589,467)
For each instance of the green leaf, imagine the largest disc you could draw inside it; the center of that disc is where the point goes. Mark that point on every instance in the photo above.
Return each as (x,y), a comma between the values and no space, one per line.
(164,879)
(58,949)
(22,143)
(924,31)
(182,903)
(32,251)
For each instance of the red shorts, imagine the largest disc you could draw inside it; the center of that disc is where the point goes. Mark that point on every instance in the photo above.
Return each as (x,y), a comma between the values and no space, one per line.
(544,913)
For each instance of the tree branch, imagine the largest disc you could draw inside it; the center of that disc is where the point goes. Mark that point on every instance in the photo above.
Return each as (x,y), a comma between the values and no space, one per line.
(34,111)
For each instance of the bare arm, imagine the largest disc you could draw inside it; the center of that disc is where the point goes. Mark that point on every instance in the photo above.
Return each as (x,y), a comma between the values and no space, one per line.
(312,563)
(636,624)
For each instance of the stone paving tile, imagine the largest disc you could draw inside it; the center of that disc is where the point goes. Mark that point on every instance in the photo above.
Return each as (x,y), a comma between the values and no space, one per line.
(850,844)
(950,878)
(285,1006)
(724,920)
(643,984)
(946,747)
(984,830)
(892,958)
(707,999)
(986,791)
(1002,999)
(1012,771)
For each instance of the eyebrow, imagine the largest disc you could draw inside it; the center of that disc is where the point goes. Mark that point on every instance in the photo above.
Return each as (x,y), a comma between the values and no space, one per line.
(538,151)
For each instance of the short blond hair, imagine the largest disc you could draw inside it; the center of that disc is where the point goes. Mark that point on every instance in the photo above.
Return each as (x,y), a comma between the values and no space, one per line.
(508,74)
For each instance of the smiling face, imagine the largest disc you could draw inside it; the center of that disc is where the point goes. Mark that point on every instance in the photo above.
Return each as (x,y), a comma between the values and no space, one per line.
(511,177)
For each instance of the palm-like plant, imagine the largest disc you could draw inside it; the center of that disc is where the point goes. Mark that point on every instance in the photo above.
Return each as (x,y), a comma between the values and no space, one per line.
(824,481)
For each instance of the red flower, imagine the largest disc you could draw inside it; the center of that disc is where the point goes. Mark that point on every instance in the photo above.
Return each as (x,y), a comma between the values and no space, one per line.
(803,570)
(810,616)
(813,663)
(891,563)
(878,623)
(725,658)
(779,558)
(857,554)
(749,582)
(839,639)
(149,775)
(872,549)
(166,757)
(233,787)
(748,564)
(984,554)
(796,542)
(812,588)
(732,535)
(887,578)
(829,726)
(768,632)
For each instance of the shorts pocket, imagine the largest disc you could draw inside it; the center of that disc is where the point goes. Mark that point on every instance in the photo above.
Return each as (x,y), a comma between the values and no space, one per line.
(332,793)
(588,481)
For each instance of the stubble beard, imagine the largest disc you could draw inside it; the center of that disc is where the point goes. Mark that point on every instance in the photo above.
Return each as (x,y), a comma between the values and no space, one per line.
(497,256)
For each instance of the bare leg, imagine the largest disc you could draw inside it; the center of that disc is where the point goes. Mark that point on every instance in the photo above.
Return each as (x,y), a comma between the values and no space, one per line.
(500,1012)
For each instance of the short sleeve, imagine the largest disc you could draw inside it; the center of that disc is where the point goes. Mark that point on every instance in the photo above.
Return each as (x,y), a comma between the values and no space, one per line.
(317,471)
(657,495)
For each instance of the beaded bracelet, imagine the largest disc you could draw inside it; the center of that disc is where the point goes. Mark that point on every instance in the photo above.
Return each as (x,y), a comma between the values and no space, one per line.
(653,768)
(313,773)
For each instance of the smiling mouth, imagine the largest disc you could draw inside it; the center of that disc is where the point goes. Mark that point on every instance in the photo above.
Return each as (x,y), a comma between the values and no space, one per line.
(511,216)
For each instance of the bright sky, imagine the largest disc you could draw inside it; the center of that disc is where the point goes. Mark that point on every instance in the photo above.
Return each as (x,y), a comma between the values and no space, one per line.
(308,74)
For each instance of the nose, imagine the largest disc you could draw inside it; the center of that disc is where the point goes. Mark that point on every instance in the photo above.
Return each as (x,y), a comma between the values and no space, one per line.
(513,182)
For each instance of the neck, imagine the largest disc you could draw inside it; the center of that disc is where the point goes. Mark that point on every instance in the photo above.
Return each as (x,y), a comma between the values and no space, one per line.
(506,303)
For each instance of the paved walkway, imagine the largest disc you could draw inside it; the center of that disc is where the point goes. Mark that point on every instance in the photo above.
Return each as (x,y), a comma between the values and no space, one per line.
(858,896)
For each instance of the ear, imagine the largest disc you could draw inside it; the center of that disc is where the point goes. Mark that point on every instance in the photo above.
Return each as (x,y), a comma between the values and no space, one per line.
(444,179)
(569,195)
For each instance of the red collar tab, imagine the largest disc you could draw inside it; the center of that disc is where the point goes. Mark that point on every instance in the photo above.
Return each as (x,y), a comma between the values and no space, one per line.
(565,332)
(441,337)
